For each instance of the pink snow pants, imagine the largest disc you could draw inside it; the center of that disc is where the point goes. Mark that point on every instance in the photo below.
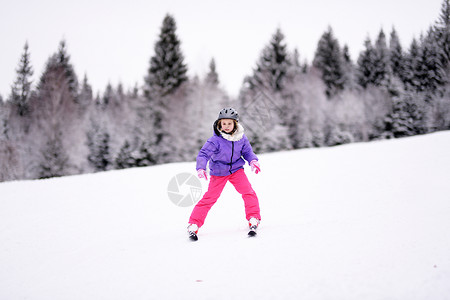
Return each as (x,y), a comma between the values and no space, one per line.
(240,182)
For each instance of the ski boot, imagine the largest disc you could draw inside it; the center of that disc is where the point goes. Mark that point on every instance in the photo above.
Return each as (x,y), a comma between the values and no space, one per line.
(252,225)
(192,231)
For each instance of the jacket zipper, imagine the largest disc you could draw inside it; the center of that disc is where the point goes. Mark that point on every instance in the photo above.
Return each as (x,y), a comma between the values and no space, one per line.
(232,153)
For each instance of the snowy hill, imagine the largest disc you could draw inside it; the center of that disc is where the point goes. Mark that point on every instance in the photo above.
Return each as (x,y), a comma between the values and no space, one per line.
(360,221)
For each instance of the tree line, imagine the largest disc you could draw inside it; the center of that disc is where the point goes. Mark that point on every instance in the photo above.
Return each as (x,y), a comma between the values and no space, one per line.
(58,127)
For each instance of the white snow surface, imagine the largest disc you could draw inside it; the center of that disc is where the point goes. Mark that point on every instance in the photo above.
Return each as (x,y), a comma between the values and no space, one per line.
(360,221)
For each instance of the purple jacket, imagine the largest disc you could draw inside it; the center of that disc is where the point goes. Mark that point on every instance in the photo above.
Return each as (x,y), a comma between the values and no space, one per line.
(225,154)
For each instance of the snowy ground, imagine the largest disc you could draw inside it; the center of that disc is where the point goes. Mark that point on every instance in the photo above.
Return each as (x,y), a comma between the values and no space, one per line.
(361,221)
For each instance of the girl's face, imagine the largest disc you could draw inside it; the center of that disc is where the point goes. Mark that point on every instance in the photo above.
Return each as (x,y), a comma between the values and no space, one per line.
(227,125)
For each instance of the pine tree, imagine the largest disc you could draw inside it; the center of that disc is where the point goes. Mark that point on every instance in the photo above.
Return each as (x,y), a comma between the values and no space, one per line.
(399,121)
(329,60)
(381,63)
(98,141)
(55,161)
(396,55)
(120,93)
(272,67)
(365,72)
(346,54)
(86,94)
(262,99)
(408,116)
(58,84)
(4,112)
(145,156)
(442,28)
(411,63)
(54,115)
(135,92)
(10,147)
(108,96)
(21,90)
(424,71)
(212,77)
(63,60)
(349,69)
(125,157)
(296,66)
(167,68)
(430,73)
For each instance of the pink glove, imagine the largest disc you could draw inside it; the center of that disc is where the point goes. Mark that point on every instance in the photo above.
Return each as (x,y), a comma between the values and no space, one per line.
(254,164)
(202,174)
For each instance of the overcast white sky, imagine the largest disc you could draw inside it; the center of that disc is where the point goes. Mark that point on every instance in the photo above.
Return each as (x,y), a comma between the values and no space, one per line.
(113,40)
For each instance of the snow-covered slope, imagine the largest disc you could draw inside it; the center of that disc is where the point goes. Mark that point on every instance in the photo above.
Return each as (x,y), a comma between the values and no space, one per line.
(360,221)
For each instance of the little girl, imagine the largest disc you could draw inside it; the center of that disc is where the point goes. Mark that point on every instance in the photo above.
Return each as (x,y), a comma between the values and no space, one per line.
(226,151)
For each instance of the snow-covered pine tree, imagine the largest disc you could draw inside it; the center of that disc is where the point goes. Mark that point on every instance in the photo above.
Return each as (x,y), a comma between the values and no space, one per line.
(272,66)
(166,96)
(116,114)
(55,161)
(349,69)
(85,98)
(98,141)
(108,96)
(441,105)
(134,93)
(420,111)
(120,92)
(167,68)
(411,62)
(261,99)
(55,116)
(145,155)
(8,155)
(18,119)
(63,60)
(429,71)
(329,60)
(399,122)
(381,63)
(21,89)
(296,67)
(291,105)
(408,116)
(58,85)
(365,71)
(440,116)
(212,77)
(396,55)
(125,157)
(442,29)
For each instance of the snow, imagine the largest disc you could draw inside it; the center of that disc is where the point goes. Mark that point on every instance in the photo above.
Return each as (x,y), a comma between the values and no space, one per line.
(360,221)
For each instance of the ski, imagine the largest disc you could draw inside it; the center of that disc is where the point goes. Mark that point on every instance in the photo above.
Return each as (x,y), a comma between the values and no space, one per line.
(252,233)
(192,231)
(193,236)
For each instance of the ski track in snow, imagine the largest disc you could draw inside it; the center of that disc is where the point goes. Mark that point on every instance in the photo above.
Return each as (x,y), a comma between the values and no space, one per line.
(359,221)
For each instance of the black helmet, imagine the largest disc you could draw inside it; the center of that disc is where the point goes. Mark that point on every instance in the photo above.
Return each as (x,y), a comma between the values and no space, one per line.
(228,113)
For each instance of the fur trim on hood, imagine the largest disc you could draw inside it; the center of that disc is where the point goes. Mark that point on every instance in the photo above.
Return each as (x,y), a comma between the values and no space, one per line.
(236,136)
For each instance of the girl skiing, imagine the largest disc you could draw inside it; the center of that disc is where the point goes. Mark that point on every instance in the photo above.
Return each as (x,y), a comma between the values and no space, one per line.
(225,151)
